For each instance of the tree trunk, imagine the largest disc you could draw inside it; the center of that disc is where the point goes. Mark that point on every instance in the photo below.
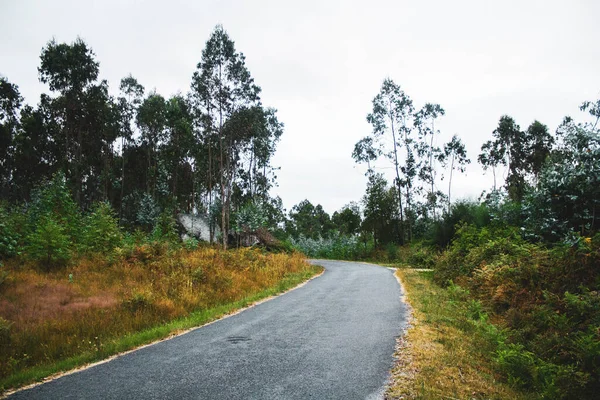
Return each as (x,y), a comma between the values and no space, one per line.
(223,199)
(450,182)
(391,115)
(431,175)
(122,178)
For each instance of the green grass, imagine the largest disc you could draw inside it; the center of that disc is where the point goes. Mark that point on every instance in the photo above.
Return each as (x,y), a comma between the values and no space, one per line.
(447,353)
(147,336)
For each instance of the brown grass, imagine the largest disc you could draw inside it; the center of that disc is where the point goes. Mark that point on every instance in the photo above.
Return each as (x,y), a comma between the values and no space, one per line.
(85,307)
(442,355)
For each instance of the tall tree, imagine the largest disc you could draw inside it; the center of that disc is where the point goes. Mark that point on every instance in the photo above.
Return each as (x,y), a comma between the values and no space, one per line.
(178,145)
(221,86)
(456,153)
(380,210)
(70,70)
(151,120)
(539,145)
(425,120)
(392,115)
(10,103)
(131,94)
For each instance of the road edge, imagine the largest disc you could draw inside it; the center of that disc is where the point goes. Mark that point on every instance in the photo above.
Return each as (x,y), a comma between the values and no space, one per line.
(175,334)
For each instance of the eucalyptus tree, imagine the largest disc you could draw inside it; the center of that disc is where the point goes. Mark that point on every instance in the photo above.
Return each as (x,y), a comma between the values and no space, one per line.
(10,103)
(392,118)
(366,150)
(131,95)
(539,146)
(71,70)
(34,155)
(456,153)
(524,152)
(178,145)
(380,210)
(221,86)
(491,157)
(425,120)
(151,120)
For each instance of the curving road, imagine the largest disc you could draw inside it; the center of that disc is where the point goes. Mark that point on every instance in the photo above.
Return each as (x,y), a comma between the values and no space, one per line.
(330,339)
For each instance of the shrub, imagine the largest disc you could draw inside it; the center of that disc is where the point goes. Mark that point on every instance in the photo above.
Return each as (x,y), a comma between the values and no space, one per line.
(165,227)
(49,244)
(137,301)
(53,200)
(338,246)
(102,233)
(9,237)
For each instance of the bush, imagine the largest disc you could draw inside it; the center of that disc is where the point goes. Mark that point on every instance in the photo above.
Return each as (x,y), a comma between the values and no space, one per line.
(165,227)
(49,244)
(102,233)
(9,238)
(340,247)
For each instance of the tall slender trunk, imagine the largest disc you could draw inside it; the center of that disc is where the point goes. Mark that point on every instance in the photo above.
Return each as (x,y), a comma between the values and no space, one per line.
(223,198)
(211,225)
(78,157)
(176,166)
(122,178)
(397,176)
(450,182)
(432,177)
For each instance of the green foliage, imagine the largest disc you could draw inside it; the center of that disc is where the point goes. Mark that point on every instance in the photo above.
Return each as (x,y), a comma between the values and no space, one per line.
(147,212)
(9,237)
(53,201)
(337,247)
(165,228)
(392,251)
(381,211)
(566,199)
(546,301)
(102,233)
(49,244)
(250,218)
(462,212)
(309,221)
(190,243)
(421,256)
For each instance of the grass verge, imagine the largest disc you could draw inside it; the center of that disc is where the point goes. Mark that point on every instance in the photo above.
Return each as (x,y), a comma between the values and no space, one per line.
(447,351)
(154,333)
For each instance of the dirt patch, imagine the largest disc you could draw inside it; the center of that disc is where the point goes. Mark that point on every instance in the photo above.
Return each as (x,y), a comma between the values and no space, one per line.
(31,302)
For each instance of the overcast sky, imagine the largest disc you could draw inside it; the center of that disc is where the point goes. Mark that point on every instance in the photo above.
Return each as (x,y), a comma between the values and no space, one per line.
(320,63)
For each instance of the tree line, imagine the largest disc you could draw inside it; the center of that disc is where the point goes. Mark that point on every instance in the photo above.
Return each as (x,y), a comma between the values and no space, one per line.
(550,190)
(206,151)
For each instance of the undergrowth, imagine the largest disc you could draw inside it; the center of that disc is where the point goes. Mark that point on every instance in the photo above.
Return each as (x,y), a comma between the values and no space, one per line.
(447,353)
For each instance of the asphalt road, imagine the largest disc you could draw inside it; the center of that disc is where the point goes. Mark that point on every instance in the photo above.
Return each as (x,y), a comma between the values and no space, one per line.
(330,339)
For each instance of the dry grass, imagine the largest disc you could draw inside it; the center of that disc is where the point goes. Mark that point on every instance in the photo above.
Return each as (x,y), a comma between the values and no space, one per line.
(443,354)
(83,312)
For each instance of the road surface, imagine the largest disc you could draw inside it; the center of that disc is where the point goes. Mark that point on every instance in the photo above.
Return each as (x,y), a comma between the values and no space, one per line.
(331,339)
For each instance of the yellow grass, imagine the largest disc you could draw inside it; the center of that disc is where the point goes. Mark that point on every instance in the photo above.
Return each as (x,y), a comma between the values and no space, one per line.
(83,312)
(442,355)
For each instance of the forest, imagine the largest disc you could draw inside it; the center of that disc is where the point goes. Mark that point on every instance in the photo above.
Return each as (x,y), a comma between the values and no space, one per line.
(87,174)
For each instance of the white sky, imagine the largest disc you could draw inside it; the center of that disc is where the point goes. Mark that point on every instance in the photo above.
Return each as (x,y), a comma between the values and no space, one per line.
(320,63)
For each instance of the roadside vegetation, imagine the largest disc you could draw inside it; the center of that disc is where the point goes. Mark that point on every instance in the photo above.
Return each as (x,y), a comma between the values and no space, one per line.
(445,354)
(510,306)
